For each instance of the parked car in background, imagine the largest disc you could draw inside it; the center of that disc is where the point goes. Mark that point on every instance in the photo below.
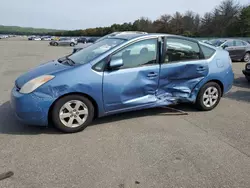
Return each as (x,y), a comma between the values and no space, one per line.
(239,50)
(82,40)
(31,37)
(46,38)
(4,36)
(246,71)
(37,38)
(92,39)
(81,46)
(64,42)
(119,74)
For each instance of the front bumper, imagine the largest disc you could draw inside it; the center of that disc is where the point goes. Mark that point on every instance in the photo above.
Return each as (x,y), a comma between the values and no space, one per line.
(30,109)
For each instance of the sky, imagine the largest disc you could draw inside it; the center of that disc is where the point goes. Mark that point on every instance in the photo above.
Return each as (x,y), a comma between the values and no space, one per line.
(82,14)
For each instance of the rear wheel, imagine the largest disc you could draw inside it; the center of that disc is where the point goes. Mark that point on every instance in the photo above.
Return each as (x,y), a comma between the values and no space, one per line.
(72,44)
(208,97)
(72,113)
(55,44)
(246,57)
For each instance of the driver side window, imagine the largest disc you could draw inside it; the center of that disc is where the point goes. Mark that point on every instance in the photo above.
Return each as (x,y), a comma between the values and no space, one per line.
(141,53)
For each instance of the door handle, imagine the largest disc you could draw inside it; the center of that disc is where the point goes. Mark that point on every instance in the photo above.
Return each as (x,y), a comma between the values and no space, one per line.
(152,74)
(201,68)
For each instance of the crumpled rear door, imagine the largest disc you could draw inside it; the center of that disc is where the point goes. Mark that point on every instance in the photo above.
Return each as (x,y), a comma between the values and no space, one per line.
(178,77)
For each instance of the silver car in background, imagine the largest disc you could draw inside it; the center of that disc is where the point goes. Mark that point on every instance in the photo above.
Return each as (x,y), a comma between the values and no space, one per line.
(64,42)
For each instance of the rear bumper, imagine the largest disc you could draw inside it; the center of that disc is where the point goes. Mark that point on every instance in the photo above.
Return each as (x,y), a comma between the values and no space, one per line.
(30,109)
(228,81)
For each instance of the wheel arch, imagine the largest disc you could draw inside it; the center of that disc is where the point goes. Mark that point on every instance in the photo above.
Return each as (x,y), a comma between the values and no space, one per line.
(218,82)
(247,51)
(96,109)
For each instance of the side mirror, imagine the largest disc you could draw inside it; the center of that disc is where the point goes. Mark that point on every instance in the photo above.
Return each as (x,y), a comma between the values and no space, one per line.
(224,46)
(115,64)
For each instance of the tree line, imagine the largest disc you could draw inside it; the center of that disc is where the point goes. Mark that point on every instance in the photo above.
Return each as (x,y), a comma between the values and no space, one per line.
(228,19)
(25,30)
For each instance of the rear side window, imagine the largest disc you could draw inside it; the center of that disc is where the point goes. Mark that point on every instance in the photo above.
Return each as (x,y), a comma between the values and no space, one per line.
(208,52)
(181,50)
(239,43)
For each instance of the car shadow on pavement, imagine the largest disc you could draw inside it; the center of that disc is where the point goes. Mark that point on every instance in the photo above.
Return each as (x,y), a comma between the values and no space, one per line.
(147,112)
(243,91)
(239,95)
(10,125)
(241,82)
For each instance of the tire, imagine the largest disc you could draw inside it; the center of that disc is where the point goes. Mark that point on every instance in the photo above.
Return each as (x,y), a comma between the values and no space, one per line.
(72,44)
(246,57)
(210,91)
(55,44)
(68,121)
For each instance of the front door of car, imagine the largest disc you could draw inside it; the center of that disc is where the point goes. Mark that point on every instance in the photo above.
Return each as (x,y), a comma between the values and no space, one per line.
(133,84)
(63,41)
(239,49)
(182,67)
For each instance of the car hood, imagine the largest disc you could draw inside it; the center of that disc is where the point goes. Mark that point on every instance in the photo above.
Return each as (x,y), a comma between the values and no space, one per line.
(51,68)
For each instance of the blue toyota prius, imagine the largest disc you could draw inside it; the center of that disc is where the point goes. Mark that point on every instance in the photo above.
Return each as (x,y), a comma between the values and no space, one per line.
(122,73)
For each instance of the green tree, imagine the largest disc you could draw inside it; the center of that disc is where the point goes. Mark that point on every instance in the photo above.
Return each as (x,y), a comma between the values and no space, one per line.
(244,22)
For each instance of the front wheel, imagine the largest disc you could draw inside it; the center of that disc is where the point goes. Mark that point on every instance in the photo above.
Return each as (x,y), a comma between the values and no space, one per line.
(72,113)
(72,44)
(208,97)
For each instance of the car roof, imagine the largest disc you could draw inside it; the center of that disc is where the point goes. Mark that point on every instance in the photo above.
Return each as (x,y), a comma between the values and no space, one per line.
(130,36)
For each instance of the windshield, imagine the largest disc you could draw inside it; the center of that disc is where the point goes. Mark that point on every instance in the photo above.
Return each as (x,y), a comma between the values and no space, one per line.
(93,51)
(216,42)
(106,36)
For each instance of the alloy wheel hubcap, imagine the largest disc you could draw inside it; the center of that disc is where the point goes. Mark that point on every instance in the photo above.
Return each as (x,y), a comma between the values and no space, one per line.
(73,113)
(210,96)
(247,57)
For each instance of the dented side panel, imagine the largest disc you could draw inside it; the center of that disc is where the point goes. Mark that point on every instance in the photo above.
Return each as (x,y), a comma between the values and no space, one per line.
(177,80)
(34,107)
(130,88)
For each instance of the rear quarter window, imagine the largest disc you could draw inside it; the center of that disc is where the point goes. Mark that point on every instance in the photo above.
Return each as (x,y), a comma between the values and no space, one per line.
(208,52)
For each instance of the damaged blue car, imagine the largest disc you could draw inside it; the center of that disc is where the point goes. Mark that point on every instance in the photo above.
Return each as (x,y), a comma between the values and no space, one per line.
(120,74)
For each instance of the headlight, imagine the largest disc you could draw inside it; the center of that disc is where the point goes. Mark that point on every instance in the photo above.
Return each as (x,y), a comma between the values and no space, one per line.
(35,83)
(248,66)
